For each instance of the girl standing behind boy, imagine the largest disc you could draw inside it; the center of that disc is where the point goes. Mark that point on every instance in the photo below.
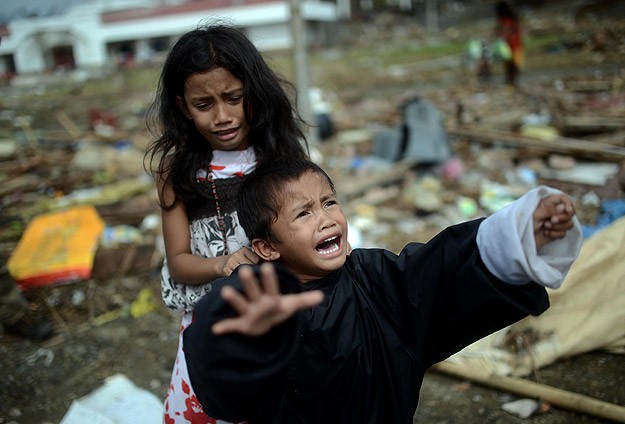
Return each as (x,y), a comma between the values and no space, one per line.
(219,111)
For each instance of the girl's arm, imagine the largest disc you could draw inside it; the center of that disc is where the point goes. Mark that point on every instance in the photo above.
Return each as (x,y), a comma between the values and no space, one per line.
(184,267)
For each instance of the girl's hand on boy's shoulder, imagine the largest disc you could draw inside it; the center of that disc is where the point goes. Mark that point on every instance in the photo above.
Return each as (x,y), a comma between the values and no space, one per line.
(552,218)
(243,256)
(261,306)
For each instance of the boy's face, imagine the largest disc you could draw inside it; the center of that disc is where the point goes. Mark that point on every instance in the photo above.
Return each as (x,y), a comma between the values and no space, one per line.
(311,229)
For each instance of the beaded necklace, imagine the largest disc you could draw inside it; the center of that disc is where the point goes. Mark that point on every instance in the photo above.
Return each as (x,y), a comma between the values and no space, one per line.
(220,218)
(237,165)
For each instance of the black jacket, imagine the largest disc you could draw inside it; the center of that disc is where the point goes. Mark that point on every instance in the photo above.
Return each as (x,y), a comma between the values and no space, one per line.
(360,356)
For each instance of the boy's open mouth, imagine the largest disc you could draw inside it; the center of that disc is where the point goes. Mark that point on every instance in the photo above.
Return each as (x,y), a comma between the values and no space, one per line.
(329,245)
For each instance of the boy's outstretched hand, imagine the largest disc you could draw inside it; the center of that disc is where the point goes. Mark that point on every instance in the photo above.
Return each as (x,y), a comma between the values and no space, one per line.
(261,306)
(552,218)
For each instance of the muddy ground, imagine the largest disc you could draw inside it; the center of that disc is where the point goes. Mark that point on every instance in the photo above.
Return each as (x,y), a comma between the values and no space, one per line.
(96,337)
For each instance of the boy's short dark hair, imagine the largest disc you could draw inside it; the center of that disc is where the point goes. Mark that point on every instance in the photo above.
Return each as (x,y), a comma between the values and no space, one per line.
(262,194)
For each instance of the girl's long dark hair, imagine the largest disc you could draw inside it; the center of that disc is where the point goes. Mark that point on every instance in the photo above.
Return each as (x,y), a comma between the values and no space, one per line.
(178,149)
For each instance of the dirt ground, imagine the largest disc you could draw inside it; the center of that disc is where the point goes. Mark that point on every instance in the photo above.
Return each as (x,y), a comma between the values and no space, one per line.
(96,336)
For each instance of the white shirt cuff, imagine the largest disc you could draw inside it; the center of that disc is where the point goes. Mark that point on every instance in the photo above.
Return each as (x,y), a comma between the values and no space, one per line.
(508,248)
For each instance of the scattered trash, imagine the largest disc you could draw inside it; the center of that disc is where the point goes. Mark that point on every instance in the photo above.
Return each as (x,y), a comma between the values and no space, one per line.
(494,196)
(523,408)
(57,247)
(143,304)
(46,354)
(596,174)
(425,137)
(467,207)
(119,234)
(425,194)
(8,148)
(611,210)
(118,401)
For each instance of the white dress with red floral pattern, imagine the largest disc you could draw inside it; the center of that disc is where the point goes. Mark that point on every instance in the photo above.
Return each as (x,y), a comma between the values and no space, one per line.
(181,405)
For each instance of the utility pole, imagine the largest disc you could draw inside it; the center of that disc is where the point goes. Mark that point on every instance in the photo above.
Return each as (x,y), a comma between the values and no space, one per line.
(431,16)
(302,78)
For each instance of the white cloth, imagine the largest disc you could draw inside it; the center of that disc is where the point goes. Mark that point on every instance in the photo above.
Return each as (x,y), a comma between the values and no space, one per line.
(230,163)
(508,247)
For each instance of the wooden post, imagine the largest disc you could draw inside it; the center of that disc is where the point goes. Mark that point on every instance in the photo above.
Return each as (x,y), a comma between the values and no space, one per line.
(557,397)
(302,78)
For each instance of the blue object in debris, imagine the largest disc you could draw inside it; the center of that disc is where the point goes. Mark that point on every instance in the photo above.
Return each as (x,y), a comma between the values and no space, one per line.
(611,210)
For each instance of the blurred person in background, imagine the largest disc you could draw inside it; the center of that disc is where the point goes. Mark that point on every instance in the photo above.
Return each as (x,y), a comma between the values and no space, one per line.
(508,30)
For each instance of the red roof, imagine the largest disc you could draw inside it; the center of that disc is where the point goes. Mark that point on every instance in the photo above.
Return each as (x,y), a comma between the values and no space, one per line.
(191,6)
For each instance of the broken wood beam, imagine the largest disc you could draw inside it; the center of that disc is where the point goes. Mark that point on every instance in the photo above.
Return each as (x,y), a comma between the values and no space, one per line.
(356,186)
(590,124)
(569,146)
(616,138)
(589,86)
(69,125)
(24,164)
(519,386)
(20,183)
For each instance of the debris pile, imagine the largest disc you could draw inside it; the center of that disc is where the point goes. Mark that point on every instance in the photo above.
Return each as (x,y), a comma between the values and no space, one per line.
(427,149)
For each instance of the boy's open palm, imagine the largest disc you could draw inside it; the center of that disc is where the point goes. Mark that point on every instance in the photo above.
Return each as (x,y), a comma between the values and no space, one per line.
(552,218)
(261,306)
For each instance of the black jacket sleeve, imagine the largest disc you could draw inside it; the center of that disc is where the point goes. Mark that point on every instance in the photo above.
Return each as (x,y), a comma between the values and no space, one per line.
(441,296)
(237,377)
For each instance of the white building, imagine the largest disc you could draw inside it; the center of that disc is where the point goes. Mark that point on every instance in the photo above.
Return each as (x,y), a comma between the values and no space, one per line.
(105,33)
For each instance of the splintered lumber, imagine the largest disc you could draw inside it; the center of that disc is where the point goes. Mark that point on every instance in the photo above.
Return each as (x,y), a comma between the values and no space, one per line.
(69,125)
(557,397)
(356,186)
(568,146)
(591,124)
(21,183)
(589,85)
(25,164)
(616,138)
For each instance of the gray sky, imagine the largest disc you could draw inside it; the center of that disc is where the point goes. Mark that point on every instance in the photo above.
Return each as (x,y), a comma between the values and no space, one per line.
(17,8)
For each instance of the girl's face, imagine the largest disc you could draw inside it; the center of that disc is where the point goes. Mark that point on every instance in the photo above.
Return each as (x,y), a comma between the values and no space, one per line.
(214,102)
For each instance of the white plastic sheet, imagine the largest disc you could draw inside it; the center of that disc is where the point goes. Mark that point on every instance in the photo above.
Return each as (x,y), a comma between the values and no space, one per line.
(118,401)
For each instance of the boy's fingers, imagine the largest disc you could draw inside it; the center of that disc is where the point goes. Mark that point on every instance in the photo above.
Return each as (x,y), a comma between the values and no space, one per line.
(249,282)
(269,279)
(234,299)
(304,300)
(289,305)
(229,325)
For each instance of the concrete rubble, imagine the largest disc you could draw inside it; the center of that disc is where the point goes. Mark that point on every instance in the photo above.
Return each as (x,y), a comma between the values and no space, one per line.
(82,144)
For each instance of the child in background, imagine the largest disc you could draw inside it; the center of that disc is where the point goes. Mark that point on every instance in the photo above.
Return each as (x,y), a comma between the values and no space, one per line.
(369,323)
(508,28)
(219,111)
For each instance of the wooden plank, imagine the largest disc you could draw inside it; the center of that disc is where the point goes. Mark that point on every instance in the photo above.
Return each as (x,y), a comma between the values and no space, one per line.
(117,261)
(349,188)
(589,86)
(21,183)
(568,146)
(591,124)
(616,138)
(557,397)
